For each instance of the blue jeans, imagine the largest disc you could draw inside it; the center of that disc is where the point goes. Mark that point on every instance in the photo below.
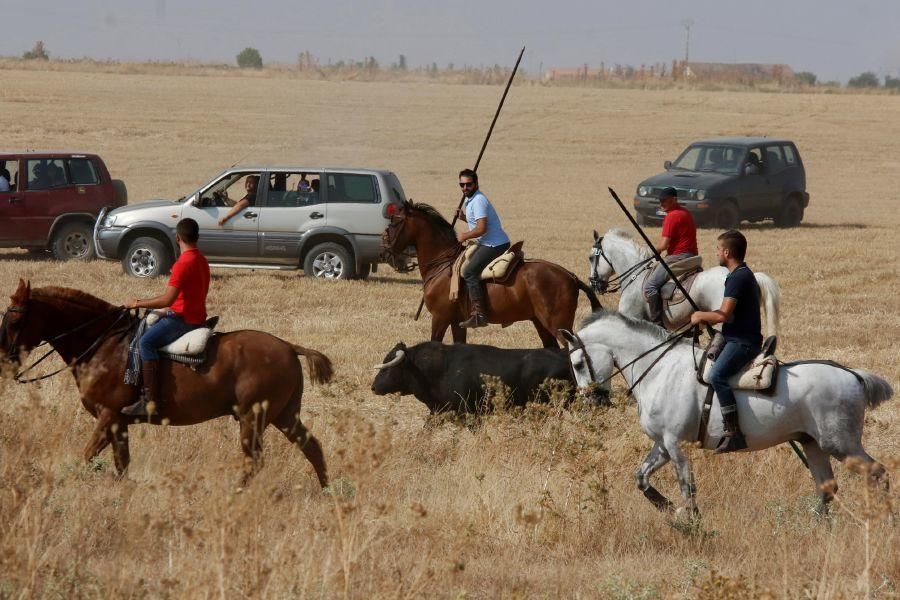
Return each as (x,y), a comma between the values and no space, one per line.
(165,331)
(480,259)
(733,358)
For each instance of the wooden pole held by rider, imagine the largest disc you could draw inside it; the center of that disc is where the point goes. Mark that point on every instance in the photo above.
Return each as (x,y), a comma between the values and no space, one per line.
(480,154)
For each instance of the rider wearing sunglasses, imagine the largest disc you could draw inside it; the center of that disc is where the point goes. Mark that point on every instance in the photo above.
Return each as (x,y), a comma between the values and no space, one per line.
(492,241)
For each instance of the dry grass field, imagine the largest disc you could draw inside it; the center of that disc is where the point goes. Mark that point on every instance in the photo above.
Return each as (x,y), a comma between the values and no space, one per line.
(541,504)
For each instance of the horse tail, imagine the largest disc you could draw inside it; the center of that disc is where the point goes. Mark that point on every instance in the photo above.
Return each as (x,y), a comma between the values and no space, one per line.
(320,369)
(770,301)
(875,389)
(592,297)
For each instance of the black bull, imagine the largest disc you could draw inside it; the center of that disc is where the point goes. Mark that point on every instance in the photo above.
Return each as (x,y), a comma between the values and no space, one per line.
(451,377)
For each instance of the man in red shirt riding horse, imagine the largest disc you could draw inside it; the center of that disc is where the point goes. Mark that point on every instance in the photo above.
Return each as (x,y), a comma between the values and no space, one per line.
(679,241)
(185,304)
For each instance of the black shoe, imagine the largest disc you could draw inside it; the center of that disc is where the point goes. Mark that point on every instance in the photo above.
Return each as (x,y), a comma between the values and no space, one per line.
(141,408)
(731,443)
(475,321)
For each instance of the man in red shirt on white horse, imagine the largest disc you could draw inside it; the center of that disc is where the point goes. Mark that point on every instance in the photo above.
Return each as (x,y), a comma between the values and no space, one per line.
(185,304)
(679,241)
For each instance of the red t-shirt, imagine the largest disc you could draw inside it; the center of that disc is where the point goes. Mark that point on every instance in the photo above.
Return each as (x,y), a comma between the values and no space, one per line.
(190,274)
(681,230)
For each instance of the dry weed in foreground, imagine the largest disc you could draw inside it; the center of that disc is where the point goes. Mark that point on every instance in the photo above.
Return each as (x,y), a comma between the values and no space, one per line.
(534,502)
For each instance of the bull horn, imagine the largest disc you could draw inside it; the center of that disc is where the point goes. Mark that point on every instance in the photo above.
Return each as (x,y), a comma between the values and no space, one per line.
(401,354)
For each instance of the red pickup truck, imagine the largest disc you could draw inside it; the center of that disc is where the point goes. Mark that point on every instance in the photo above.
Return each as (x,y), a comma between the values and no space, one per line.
(50,201)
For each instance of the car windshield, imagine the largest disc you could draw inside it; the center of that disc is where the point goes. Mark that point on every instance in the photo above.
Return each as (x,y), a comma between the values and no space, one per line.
(710,157)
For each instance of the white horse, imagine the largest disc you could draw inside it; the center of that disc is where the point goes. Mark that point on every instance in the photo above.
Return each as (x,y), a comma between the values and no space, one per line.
(617,252)
(818,404)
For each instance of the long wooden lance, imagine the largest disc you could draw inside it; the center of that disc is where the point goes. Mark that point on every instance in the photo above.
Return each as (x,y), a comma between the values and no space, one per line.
(487,138)
(709,330)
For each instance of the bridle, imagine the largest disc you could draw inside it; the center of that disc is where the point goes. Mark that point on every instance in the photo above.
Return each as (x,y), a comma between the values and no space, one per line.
(613,284)
(670,342)
(120,312)
(401,261)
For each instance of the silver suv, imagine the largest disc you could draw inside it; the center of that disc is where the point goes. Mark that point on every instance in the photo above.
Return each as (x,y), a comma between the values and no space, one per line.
(326,221)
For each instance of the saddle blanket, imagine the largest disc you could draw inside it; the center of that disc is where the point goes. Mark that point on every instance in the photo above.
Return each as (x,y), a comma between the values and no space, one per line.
(758,375)
(191,345)
(496,270)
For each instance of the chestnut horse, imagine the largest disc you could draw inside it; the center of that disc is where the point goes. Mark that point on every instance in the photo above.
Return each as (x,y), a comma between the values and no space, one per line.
(251,375)
(539,291)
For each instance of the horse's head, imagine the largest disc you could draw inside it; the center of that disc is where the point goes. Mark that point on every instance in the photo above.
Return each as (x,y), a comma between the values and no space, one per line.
(17,330)
(601,267)
(398,237)
(592,369)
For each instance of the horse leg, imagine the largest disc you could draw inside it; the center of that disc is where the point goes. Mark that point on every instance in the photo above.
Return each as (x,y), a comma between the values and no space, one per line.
(685,478)
(99,439)
(459,334)
(252,426)
(547,338)
(820,467)
(439,328)
(655,460)
(288,422)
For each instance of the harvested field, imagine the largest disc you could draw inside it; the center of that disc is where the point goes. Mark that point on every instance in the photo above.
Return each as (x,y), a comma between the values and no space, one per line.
(536,505)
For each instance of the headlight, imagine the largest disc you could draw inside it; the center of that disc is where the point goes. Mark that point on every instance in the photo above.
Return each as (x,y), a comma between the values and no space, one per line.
(642,190)
(109,221)
(701,195)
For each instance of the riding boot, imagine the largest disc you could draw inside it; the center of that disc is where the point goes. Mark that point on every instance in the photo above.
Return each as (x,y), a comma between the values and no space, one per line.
(476,295)
(149,404)
(732,438)
(655,308)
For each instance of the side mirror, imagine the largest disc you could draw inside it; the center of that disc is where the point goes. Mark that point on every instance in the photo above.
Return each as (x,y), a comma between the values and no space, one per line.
(667,165)
(195,200)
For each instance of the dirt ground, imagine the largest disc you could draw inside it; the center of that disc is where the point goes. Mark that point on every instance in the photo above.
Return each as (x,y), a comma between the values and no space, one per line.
(541,504)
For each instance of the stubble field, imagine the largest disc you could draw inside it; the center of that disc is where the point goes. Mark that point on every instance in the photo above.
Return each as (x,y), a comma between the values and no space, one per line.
(535,505)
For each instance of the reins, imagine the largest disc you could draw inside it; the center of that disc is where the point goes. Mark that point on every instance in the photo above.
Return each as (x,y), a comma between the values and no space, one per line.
(614,284)
(119,311)
(669,341)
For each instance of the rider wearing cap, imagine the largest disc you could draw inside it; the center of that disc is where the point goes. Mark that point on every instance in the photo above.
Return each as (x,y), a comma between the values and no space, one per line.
(679,241)
(741,328)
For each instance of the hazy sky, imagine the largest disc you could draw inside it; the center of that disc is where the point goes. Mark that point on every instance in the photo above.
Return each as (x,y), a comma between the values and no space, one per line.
(833,38)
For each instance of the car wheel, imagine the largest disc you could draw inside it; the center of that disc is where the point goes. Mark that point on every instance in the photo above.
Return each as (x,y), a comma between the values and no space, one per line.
(791,214)
(328,261)
(73,241)
(727,216)
(146,257)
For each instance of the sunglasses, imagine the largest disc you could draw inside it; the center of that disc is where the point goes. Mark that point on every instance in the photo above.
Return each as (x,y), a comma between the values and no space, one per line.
(465,184)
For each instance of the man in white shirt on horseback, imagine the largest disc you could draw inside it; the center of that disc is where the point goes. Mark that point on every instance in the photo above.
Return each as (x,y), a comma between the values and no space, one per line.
(741,328)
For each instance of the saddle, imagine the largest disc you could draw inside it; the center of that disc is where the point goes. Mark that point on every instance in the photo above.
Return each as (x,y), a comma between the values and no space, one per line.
(191,347)
(760,374)
(686,271)
(499,270)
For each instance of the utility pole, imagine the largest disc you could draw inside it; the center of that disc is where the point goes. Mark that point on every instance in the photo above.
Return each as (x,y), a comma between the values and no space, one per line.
(687,24)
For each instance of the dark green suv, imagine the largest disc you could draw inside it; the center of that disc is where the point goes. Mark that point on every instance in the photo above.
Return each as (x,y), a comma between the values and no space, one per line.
(724,181)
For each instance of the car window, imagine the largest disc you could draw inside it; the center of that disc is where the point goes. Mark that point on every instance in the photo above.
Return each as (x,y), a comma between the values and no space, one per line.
(82,171)
(773,161)
(395,188)
(720,159)
(790,157)
(228,190)
(287,189)
(9,169)
(45,173)
(344,187)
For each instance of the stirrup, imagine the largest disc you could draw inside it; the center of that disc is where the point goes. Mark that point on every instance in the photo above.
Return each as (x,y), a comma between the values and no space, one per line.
(731,442)
(475,321)
(141,408)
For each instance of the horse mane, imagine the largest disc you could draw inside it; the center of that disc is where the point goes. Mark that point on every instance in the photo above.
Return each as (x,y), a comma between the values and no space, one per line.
(71,298)
(603,314)
(434,217)
(625,235)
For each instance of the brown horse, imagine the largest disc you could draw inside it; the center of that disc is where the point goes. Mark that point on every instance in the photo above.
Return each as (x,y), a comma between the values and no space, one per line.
(251,375)
(539,291)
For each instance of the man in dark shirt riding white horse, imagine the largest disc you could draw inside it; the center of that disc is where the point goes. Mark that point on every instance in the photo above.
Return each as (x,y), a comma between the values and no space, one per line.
(741,328)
